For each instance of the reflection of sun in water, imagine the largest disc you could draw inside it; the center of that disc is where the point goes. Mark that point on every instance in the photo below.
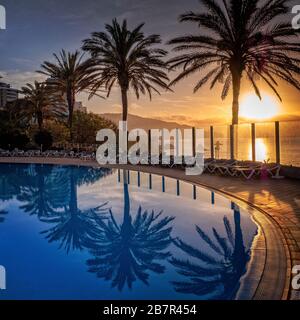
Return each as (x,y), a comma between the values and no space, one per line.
(254,108)
(260,150)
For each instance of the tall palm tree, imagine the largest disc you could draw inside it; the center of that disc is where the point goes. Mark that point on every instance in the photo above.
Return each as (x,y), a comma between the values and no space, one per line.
(16,115)
(214,276)
(69,76)
(40,102)
(124,253)
(239,38)
(128,58)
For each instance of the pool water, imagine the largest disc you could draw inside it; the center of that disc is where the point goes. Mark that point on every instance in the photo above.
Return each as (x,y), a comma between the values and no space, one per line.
(83,233)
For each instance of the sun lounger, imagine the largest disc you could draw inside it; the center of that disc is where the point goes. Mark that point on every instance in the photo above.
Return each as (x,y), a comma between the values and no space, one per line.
(208,165)
(223,168)
(245,171)
(217,165)
(248,172)
(274,171)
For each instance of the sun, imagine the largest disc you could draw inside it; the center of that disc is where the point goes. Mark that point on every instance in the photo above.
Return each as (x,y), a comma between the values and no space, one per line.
(253,108)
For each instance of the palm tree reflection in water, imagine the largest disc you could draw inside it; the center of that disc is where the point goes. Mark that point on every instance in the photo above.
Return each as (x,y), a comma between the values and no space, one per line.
(2,215)
(209,276)
(75,229)
(126,252)
(37,194)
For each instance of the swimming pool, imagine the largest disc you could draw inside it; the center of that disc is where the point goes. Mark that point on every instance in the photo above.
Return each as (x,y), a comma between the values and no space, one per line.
(70,232)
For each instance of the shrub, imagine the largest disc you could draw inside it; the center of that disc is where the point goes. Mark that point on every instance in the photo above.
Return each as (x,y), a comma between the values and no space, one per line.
(13,139)
(59,131)
(43,139)
(86,126)
(20,140)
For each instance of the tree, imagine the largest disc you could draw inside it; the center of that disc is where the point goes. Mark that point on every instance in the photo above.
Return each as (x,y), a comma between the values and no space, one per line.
(86,126)
(16,115)
(43,139)
(58,129)
(237,38)
(129,59)
(40,103)
(69,76)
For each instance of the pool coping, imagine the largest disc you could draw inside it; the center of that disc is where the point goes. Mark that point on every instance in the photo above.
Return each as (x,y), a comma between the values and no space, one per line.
(270,250)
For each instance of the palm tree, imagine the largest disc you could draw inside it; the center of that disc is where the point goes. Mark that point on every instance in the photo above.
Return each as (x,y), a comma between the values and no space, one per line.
(124,253)
(69,76)
(41,102)
(239,38)
(16,115)
(127,58)
(215,276)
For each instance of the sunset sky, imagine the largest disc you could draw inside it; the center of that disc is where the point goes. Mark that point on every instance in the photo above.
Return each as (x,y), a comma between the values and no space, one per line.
(37,28)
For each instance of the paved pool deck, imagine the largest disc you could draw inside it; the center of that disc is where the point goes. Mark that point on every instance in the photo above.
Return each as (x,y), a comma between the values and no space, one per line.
(276,205)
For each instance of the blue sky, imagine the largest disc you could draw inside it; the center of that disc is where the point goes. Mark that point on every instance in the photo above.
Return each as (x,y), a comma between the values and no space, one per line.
(38,28)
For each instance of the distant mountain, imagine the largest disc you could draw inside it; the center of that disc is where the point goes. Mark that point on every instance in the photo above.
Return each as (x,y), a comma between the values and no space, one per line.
(281,118)
(151,123)
(135,122)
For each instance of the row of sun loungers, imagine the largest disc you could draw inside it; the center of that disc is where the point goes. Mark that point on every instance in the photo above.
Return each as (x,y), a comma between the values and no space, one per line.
(247,170)
(48,154)
(232,168)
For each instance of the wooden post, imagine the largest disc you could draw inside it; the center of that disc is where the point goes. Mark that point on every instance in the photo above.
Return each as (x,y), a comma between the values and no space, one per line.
(149,145)
(194,192)
(277,141)
(139,178)
(212,144)
(231,135)
(194,141)
(253,141)
(212,198)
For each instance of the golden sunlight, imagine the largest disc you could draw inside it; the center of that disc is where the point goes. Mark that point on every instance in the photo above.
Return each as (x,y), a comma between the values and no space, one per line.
(254,108)
(261,150)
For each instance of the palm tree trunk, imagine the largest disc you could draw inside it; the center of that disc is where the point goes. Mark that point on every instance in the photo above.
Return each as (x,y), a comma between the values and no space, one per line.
(71,103)
(40,121)
(124,103)
(236,83)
